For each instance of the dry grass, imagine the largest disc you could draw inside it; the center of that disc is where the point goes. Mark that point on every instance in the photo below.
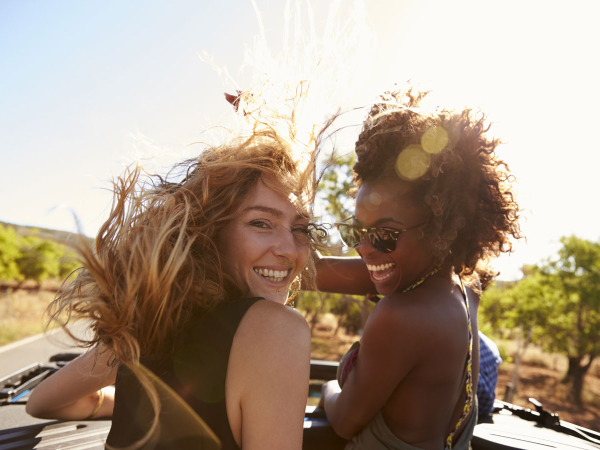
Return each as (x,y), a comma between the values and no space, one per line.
(544,384)
(536,356)
(21,313)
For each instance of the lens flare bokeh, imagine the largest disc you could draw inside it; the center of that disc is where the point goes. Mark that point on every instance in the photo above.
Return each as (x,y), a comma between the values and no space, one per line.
(412,162)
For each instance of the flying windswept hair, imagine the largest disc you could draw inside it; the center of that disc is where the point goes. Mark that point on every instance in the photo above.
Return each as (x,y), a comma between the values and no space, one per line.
(452,165)
(156,258)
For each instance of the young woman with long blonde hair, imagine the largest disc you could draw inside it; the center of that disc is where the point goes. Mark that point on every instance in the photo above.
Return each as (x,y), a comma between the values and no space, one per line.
(185,291)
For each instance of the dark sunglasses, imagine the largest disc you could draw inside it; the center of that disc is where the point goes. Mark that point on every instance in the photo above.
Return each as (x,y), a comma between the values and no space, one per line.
(383,239)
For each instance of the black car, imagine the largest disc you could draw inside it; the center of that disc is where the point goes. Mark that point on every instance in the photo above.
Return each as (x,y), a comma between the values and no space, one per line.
(509,427)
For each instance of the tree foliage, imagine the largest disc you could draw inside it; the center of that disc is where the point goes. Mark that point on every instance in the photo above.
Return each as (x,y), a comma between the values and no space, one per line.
(557,303)
(573,326)
(9,253)
(30,257)
(335,186)
(351,311)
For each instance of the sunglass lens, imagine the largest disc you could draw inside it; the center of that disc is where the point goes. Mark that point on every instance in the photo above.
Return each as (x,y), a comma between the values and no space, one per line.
(383,241)
(350,235)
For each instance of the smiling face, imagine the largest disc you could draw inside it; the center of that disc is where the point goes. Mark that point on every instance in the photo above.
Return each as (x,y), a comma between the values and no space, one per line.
(266,245)
(389,205)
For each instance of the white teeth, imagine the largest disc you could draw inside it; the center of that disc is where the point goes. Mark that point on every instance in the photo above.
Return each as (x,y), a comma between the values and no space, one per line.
(273,275)
(382,278)
(379,268)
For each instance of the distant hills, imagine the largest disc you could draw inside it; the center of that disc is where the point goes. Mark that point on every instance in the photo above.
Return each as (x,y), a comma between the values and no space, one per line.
(44,233)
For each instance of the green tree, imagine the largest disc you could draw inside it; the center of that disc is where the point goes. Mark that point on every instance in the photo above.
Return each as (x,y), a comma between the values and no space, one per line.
(9,254)
(493,308)
(68,262)
(311,304)
(40,258)
(334,193)
(335,186)
(529,302)
(573,326)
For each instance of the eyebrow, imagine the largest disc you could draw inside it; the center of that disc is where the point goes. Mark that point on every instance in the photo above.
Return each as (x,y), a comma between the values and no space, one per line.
(273,211)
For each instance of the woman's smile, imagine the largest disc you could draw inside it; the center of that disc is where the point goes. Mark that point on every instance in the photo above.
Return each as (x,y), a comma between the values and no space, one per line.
(267,244)
(409,257)
(273,275)
(381,272)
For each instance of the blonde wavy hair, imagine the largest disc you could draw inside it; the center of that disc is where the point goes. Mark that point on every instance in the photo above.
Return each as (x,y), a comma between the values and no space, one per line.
(157,256)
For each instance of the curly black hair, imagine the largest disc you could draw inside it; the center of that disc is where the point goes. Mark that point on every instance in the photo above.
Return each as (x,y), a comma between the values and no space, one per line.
(456,173)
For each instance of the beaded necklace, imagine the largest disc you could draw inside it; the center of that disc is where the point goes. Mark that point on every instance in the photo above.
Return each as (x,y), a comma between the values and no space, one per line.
(349,360)
(420,282)
(376,298)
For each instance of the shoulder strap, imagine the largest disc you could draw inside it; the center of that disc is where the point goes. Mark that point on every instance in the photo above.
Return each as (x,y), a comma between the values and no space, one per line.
(469,383)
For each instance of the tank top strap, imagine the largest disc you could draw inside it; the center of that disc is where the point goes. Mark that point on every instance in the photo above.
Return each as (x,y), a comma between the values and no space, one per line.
(469,382)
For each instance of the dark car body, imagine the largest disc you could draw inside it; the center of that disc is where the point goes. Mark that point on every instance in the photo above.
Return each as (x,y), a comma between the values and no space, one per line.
(509,427)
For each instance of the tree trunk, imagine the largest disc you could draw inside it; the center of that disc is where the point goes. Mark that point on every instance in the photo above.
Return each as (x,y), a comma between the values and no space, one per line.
(575,377)
(341,320)
(521,347)
(313,320)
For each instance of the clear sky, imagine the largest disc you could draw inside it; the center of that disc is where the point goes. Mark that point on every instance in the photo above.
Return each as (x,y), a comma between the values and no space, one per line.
(85,85)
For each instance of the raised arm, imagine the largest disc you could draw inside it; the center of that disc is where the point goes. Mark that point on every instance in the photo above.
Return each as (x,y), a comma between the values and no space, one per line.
(74,392)
(343,275)
(269,369)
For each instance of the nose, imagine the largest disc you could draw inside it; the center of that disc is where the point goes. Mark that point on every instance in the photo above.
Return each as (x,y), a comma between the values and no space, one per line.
(286,245)
(365,247)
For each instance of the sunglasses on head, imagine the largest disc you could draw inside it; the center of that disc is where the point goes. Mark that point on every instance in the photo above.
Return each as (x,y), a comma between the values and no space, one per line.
(383,239)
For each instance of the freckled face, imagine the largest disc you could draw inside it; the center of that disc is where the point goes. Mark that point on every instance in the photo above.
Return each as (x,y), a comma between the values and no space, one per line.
(266,245)
(388,204)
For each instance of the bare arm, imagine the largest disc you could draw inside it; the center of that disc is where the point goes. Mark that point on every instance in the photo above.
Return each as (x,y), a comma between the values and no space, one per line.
(380,367)
(73,392)
(343,275)
(268,371)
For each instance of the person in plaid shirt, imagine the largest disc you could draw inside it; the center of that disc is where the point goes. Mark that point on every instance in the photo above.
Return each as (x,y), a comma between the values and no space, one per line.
(489,360)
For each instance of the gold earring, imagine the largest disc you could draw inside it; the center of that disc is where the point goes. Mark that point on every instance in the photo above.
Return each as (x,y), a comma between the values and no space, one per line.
(295,286)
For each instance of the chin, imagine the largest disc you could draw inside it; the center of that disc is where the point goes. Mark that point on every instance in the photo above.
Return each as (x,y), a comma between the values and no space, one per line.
(389,287)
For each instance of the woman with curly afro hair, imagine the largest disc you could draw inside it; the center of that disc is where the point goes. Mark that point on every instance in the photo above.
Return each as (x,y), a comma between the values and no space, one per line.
(433,205)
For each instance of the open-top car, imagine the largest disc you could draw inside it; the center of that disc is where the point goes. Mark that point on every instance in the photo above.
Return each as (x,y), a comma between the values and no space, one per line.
(508,427)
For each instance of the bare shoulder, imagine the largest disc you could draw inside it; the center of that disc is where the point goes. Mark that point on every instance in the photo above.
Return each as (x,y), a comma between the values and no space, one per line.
(270,328)
(405,310)
(278,317)
(267,376)
(427,314)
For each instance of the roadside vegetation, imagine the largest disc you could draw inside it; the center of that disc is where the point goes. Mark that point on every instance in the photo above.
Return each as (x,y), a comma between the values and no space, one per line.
(22,310)
(32,264)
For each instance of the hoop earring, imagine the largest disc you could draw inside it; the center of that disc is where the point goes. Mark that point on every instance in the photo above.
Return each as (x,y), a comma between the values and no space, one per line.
(295,287)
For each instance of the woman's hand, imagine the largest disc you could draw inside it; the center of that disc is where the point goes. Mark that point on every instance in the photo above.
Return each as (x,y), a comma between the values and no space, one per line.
(103,401)
(329,393)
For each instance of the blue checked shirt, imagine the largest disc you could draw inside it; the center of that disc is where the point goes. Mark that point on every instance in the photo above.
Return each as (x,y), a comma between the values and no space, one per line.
(489,360)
